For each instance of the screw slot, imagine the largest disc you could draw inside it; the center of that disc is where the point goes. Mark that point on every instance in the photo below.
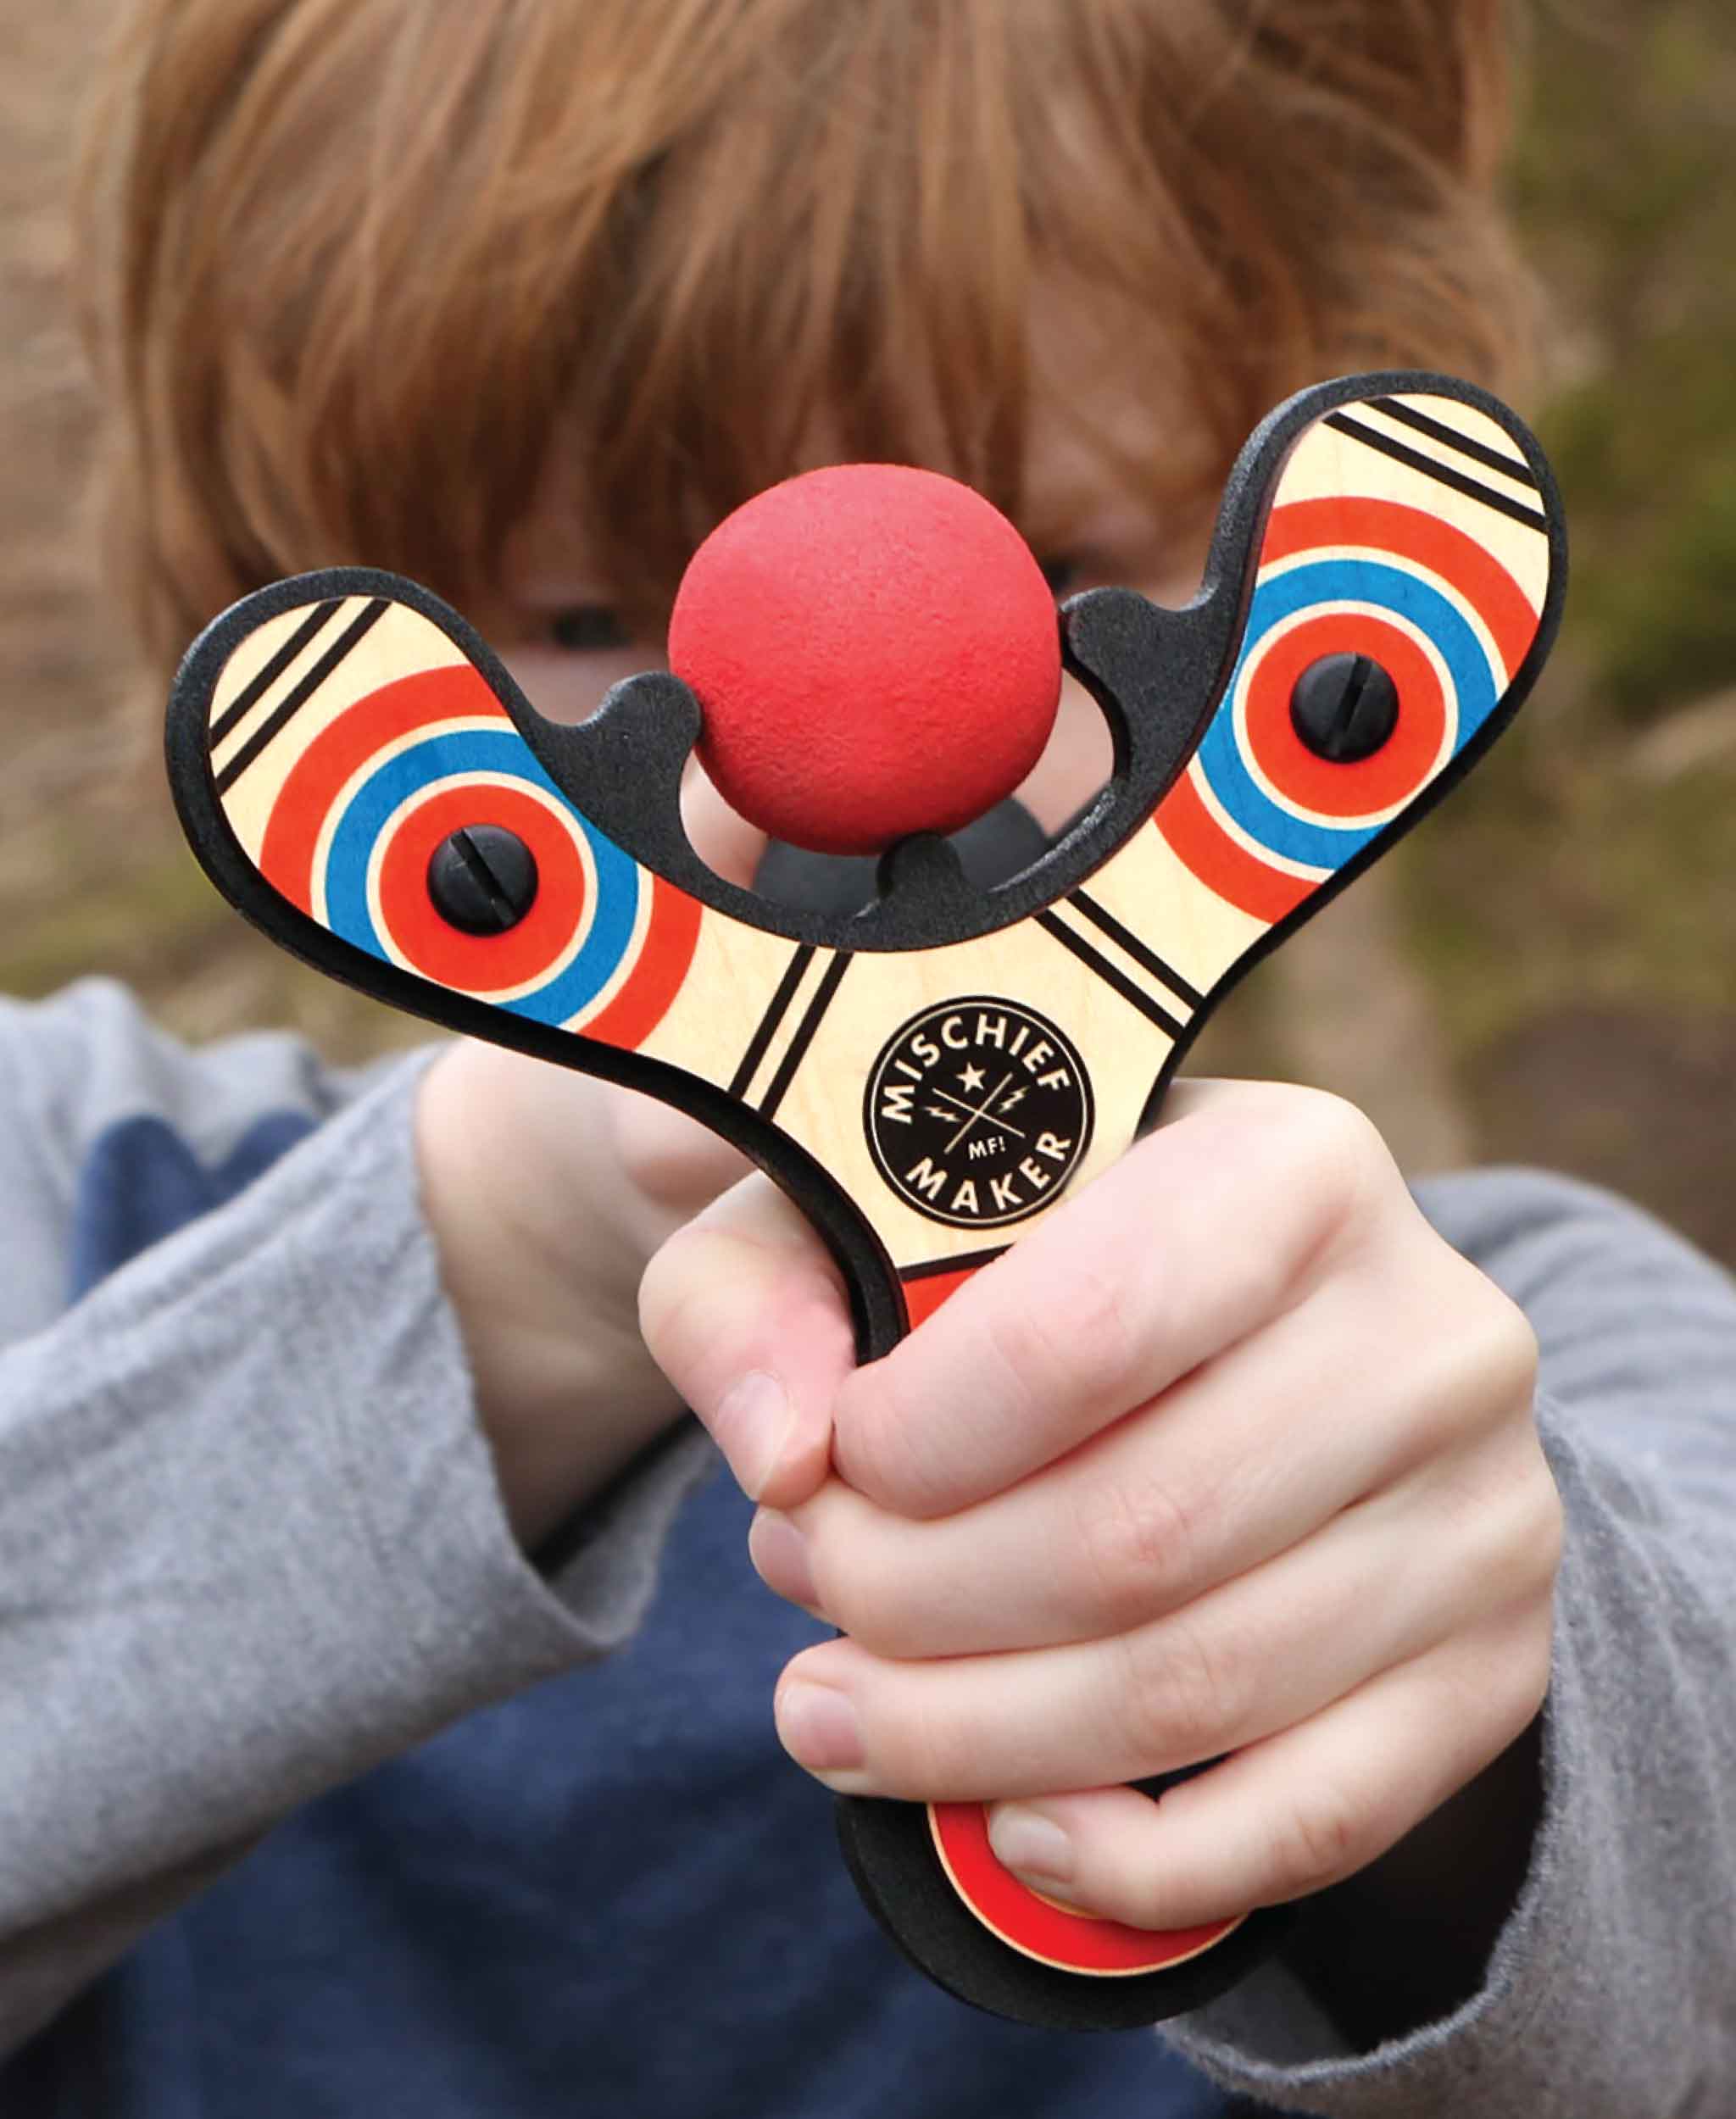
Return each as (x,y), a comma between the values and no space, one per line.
(1344,708)
(483,879)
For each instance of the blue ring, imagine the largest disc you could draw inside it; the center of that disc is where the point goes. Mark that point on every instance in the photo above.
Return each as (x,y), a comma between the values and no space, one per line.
(450,755)
(1266,822)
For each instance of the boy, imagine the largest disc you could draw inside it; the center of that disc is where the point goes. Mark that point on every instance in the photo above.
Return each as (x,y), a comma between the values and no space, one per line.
(492,298)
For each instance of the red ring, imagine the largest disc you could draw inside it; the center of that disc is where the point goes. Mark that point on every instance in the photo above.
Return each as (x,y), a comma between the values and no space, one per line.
(1373,528)
(658,972)
(1371,786)
(485,963)
(1077,1942)
(421,700)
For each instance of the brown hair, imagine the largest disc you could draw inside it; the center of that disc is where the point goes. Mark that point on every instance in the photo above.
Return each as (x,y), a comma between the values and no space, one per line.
(351,264)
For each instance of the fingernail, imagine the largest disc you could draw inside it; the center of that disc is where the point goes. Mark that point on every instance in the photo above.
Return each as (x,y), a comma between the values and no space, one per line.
(779,1553)
(819,1728)
(1027,1841)
(751,1426)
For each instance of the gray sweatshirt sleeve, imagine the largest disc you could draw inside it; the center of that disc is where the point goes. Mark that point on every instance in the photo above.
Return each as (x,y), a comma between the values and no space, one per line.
(250,1538)
(1612,1989)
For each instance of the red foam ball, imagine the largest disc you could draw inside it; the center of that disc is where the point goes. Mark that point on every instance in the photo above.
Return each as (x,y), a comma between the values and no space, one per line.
(874,651)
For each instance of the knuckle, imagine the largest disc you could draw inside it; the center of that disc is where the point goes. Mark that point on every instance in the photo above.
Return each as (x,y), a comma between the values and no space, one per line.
(1187,1692)
(1321,1156)
(861,1600)
(886,1451)
(1325,1837)
(1546,1536)
(835,1582)
(1496,1350)
(1019,1353)
(1341,1154)
(862,1420)
(1513,1529)
(1494,1692)
(660,1289)
(1525,1532)
(675,1305)
(1511,1355)
(1326,1138)
(1076,1344)
(1476,1376)
(1521,1698)
(1534,1612)
(1136,1541)
(858,1615)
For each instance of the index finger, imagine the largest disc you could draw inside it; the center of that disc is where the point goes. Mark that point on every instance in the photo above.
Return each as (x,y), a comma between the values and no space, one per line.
(1207,1229)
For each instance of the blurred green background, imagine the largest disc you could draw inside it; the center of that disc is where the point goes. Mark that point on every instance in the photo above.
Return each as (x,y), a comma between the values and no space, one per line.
(1544,972)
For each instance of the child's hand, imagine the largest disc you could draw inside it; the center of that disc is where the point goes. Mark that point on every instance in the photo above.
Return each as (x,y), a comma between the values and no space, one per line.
(1233,1454)
(547,1191)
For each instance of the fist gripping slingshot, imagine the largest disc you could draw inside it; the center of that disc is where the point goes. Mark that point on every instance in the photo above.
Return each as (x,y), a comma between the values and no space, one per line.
(932,1068)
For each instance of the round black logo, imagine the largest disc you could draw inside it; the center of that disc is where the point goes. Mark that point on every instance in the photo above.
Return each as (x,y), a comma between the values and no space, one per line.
(978,1111)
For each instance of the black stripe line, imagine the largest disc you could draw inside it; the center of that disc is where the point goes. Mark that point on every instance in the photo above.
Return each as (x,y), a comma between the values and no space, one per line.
(805,1036)
(244,701)
(769,1020)
(1443,473)
(271,728)
(1111,977)
(1147,959)
(1511,467)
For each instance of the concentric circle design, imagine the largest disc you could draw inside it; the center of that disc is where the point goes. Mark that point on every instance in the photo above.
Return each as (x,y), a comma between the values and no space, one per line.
(606,944)
(402,909)
(1298,779)
(554,964)
(1259,817)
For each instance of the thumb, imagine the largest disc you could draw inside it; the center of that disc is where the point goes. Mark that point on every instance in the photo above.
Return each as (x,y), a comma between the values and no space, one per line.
(744,1312)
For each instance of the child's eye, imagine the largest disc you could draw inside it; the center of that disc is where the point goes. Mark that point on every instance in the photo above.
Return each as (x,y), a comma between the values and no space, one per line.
(589,629)
(1062,576)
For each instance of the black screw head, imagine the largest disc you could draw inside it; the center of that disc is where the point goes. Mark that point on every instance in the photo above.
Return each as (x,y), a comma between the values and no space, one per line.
(483,879)
(1344,708)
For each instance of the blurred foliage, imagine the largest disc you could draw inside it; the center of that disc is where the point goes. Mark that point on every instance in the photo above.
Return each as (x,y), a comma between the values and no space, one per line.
(1574,906)
(1625,184)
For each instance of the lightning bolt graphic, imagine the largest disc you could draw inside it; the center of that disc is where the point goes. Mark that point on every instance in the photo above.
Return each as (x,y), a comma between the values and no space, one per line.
(1011,1103)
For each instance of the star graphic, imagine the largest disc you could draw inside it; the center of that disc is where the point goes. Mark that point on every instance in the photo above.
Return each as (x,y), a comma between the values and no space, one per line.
(972,1078)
